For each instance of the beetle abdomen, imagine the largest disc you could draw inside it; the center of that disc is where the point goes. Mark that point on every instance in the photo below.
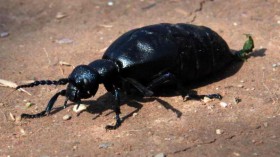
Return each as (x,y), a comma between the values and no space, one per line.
(202,51)
(188,51)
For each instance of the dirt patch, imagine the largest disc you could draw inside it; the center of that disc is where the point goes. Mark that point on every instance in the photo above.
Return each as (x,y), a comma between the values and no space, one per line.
(31,51)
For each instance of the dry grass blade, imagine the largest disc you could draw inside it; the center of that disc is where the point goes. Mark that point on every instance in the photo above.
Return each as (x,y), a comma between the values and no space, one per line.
(5,83)
(64,63)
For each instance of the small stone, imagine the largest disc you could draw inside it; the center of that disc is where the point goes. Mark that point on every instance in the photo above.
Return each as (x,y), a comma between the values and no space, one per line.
(236,154)
(81,108)
(240,86)
(134,114)
(274,65)
(210,107)
(235,23)
(206,99)
(4,34)
(265,124)
(160,155)
(60,15)
(242,81)
(28,104)
(223,104)
(22,131)
(64,41)
(237,100)
(252,88)
(18,119)
(219,131)
(66,117)
(105,145)
(110,3)
(1,104)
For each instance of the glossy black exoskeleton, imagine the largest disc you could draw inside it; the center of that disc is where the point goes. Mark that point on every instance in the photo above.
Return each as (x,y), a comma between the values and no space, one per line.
(146,58)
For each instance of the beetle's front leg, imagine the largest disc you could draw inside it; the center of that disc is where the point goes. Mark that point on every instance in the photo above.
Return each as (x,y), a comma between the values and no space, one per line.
(116,108)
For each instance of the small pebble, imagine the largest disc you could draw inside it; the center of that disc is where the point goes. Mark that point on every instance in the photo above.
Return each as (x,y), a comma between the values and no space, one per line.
(237,100)
(22,131)
(64,41)
(4,34)
(18,119)
(28,104)
(240,86)
(242,81)
(236,154)
(105,145)
(1,104)
(219,131)
(274,65)
(66,117)
(110,3)
(60,15)
(206,99)
(223,104)
(81,108)
(160,155)
(210,107)
(265,124)
(235,24)
(134,114)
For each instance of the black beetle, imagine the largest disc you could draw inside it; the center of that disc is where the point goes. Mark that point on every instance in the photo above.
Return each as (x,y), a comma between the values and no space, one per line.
(146,58)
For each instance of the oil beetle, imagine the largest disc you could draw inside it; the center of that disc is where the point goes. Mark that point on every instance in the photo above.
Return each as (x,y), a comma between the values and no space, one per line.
(146,58)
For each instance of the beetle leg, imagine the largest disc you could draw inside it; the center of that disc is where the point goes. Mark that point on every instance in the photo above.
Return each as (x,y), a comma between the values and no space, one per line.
(199,97)
(145,91)
(161,79)
(48,108)
(116,94)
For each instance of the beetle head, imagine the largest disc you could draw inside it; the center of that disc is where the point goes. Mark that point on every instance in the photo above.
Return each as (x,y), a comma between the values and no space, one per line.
(83,83)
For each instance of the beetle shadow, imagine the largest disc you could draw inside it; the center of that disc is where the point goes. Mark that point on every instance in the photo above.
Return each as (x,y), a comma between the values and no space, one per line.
(104,103)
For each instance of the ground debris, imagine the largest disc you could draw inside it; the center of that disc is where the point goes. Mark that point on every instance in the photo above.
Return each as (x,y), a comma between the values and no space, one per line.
(12,116)
(81,108)
(4,34)
(29,104)
(219,131)
(237,100)
(64,41)
(10,84)
(64,63)
(66,117)
(160,155)
(60,15)
(105,145)
(223,104)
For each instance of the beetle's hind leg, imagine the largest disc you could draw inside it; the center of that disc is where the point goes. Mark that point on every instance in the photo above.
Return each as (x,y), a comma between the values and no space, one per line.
(199,97)
(144,90)
(192,95)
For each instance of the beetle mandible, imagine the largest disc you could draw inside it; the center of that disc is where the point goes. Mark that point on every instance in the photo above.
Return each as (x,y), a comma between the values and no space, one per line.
(146,58)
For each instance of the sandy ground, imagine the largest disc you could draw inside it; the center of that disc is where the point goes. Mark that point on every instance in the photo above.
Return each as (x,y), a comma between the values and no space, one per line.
(151,125)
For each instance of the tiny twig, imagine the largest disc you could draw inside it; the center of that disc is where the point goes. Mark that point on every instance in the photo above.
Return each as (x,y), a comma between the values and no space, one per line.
(271,94)
(5,117)
(47,54)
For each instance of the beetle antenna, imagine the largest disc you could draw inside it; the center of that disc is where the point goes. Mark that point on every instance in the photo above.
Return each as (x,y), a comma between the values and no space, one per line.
(62,81)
